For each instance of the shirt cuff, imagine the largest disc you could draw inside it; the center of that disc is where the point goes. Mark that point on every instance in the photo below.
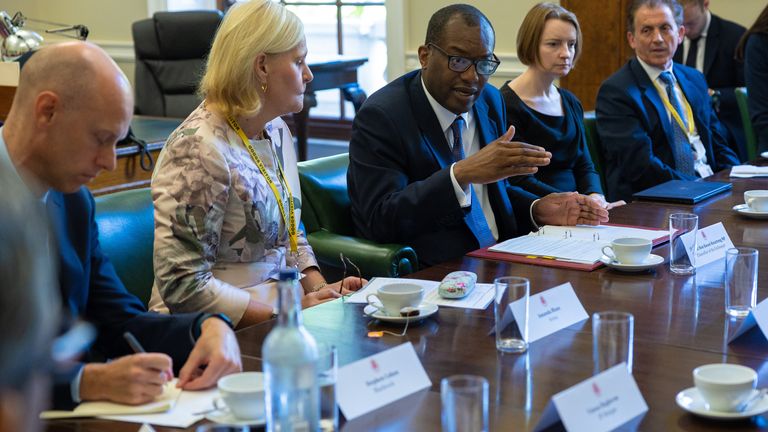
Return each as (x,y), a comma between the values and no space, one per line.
(462,195)
(530,212)
(74,385)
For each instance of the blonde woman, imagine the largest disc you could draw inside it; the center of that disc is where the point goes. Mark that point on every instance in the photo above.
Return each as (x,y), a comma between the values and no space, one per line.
(549,43)
(225,189)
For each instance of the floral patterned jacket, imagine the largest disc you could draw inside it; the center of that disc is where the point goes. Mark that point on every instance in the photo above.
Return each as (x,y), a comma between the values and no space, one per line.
(219,236)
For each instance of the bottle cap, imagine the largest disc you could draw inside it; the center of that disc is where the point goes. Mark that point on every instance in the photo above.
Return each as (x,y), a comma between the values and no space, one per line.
(288,274)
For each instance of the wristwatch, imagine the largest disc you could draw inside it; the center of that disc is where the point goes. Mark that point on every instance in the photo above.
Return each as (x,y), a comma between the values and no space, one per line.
(197,325)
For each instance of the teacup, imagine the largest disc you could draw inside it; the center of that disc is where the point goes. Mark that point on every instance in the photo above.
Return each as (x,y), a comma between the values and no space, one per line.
(395,296)
(724,386)
(757,200)
(243,394)
(628,250)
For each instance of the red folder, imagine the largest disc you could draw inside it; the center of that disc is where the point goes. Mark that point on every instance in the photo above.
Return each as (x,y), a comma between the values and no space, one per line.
(484,253)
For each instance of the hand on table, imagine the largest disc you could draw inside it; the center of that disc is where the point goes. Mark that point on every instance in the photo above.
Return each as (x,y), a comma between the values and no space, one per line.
(568,209)
(215,354)
(600,199)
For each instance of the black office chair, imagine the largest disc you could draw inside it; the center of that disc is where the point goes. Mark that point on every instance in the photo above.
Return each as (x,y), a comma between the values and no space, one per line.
(171,48)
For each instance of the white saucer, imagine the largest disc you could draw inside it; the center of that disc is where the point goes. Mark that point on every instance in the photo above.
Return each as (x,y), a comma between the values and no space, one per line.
(226,417)
(743,209)
(425,310)
(764,154)
(650,262)
(690,400)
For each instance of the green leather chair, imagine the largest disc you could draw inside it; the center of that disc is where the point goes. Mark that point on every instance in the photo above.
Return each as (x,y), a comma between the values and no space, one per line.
(593,143)
(746,121)
(126,232)
(327,220)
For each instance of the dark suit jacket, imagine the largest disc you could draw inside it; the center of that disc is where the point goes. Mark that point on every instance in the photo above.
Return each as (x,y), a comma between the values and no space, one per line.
(756,60)
(399,174)
(91,289)
(636,133)
(724,73)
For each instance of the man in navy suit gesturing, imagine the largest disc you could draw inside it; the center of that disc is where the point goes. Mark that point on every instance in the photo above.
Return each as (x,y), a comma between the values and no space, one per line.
(72,106)
(430,153)
(654,116)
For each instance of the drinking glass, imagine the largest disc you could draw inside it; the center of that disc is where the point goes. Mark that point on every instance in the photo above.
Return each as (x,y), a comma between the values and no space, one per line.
(511,333)
(612,339)
(682,260)
(740,281)
(465,403)
(327,369)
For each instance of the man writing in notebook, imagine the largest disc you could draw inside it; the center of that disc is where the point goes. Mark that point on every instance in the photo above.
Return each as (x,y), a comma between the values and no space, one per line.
(72,105)
(654,116)
(430,153)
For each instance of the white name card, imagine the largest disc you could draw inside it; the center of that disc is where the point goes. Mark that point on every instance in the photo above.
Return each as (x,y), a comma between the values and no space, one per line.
(378,380)
(711,244)
(757,316)
(604,402)
(550,311)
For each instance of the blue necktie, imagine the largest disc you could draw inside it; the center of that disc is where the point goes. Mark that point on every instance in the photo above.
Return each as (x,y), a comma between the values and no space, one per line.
(475,219)
(681,146)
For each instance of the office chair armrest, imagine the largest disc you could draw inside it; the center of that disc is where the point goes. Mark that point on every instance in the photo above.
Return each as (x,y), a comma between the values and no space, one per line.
(373,259)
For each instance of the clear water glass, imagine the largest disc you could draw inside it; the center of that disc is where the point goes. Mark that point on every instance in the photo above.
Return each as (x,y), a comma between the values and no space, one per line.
(464,403)
(612,339)
(511,331)
(740,281)
(682,226)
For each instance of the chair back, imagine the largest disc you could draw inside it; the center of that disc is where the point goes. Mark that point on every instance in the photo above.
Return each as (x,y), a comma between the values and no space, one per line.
(749,132)
(325,200)
(593,143)
(171,48)
(126,233)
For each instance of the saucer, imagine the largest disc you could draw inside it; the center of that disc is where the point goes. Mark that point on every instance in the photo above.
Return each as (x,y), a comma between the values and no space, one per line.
(690,400)
(425,310)
(743,209)
(650,262)
(225,417)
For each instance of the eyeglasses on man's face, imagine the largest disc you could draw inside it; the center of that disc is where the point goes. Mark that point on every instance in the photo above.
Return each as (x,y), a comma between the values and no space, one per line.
(461,64)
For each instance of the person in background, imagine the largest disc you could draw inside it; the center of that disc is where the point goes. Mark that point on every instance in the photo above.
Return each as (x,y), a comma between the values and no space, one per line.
(430,153)
(71,107)
(709,47)
(29,305)
(549,43)
(753,51)
(225,188)
(653,116)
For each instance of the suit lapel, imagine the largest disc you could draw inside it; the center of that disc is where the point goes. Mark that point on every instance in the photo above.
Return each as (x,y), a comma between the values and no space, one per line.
(650,93)
(712,43)
(429,125)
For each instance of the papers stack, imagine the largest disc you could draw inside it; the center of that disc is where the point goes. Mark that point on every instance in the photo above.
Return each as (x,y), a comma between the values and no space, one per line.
(748,171)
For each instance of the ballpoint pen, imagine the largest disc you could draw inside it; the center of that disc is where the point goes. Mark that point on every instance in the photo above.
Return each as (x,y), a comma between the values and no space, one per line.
(133,342)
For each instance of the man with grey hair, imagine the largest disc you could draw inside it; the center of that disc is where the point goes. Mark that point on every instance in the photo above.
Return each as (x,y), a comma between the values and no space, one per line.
(654,117)
(28,305)
(72,105)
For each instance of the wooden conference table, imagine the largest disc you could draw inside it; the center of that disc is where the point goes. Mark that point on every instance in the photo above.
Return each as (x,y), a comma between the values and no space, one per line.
(679,324)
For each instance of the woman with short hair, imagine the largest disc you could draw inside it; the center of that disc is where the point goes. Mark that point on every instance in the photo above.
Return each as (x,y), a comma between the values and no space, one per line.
(549,43)
(225,189)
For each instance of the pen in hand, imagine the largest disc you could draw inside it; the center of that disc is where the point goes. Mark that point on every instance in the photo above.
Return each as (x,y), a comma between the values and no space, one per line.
(138,349)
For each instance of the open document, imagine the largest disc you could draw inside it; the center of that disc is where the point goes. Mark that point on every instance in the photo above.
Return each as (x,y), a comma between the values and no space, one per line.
(581,245)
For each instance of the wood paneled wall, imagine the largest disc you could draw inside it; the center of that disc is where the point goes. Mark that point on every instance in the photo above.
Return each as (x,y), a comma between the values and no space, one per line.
(605,48)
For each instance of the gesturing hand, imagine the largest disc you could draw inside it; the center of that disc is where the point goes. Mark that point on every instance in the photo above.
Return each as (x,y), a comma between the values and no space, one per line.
(568,209)
(500,159)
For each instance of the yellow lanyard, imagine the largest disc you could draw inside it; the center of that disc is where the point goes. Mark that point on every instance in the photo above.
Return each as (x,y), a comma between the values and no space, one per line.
(688,111)
(289,220)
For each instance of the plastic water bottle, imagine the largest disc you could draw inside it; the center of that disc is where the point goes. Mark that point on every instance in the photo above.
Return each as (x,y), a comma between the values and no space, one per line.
(290,362)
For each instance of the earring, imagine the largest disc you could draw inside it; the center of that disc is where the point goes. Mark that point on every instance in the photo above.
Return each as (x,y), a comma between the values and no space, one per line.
(264,87)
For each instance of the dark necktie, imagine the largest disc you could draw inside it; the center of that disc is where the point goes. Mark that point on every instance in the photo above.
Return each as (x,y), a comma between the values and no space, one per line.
(693,49)
(681,146)
(475,218)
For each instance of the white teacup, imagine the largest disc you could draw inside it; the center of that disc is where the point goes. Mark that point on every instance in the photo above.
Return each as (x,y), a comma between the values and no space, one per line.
(243,394)
(724,386)
(395,296)
(628,250)
(757,200)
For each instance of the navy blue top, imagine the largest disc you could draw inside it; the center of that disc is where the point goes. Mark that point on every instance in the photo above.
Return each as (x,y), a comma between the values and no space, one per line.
(570,168)
(756,76)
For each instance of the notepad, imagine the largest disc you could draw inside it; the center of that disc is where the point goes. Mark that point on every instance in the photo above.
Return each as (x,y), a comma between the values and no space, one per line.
(748,171)
(579,244)
(162,403)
